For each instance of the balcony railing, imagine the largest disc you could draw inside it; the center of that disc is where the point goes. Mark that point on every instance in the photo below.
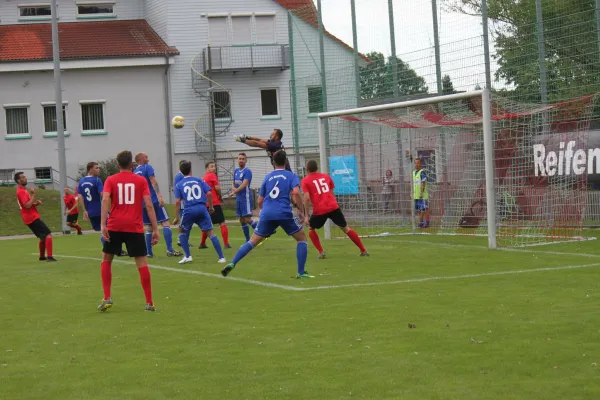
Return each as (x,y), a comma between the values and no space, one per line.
(246,57)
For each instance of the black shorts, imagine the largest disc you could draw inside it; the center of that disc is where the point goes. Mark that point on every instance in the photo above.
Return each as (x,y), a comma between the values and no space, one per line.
(217,217)
(134,242)
(337,216)
(72,218)
(39,229)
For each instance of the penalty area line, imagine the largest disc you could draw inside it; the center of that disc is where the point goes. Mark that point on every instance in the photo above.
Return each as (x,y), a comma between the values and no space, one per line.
(191,272)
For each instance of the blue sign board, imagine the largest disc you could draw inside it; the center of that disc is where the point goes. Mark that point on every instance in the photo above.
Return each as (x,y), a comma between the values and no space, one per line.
(344,174)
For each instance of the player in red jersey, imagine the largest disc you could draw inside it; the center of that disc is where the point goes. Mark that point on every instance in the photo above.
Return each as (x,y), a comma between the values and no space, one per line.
(318,190)
(31,217)
(124,195)
(217,216)
(71,211)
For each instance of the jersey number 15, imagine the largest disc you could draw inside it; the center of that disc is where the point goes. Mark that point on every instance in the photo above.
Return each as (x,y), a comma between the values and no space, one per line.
(321,185)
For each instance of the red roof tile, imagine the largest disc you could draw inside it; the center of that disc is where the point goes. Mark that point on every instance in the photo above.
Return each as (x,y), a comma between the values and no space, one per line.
(306,10)
(33,42)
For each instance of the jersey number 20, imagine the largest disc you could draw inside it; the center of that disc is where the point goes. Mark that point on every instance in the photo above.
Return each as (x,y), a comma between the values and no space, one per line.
(322,186)
(126,193)
(193,192)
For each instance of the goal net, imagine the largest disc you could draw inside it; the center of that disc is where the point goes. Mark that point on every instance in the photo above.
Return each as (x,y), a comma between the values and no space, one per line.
(492,167)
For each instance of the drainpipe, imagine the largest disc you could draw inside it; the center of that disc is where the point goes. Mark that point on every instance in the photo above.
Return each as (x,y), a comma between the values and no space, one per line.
(166,79)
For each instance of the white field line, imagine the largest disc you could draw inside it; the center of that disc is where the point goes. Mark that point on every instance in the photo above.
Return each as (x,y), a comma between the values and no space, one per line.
(298,289)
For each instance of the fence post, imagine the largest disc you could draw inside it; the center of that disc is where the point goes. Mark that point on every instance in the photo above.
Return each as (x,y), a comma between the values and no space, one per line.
(393,43)
(293,93)
(541,51)
(486,44)
(436,43)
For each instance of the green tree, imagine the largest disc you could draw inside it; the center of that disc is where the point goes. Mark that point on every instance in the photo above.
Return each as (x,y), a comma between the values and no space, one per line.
(570,39)
(108,167)
(447,86)
(376,80)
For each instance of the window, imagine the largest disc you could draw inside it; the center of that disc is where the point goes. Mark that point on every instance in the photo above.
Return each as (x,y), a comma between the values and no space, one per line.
(315,100)
(43,173)
(95,9)
(269,101)
(217,27)
(35,10)
(7,176)
(242,30)
(222,105)
(92,116)
(17,120)
(50,123)
(265,29)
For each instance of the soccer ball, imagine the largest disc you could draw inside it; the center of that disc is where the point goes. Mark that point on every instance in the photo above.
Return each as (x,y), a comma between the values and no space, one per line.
(178,122)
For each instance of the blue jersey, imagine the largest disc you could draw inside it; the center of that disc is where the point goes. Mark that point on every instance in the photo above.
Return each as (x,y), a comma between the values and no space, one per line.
(178,178)
(238,178)
(91,187)
(193,191)
(147,171)
(277,190)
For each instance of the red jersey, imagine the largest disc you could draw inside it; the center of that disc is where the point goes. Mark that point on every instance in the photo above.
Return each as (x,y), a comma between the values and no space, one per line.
(70,201)
(28,214)
(320,189)
(211,179)
(127,191)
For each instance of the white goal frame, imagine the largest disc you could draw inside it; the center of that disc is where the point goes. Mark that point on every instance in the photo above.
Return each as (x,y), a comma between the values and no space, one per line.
(485,95)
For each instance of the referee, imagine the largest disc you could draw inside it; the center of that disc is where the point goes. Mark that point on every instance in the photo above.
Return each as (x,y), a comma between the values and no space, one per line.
(271,145)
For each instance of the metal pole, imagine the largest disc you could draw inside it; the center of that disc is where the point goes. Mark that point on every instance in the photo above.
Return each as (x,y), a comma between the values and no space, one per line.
(361,144)
(324,163)
(293,93)
(323,73)
(60,130)
(393,43)
(488,148)
(598,22)
(486,44)
(436,43)
(541,51)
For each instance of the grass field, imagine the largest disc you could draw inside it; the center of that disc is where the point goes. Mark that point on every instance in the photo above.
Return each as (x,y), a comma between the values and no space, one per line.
(489,324)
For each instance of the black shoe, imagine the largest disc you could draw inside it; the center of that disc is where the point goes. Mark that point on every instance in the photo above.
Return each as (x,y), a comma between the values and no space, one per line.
(43,258)
(228,268)
(228,246)
(79,233)
(203,246)
(123,253)
(51,259)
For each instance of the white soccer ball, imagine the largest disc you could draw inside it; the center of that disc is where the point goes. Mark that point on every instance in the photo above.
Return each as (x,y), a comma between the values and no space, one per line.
(178,122)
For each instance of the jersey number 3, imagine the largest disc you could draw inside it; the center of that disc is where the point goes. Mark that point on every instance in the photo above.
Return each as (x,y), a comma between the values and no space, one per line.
(322,186)
(193,192)
(88,194)
(126,193)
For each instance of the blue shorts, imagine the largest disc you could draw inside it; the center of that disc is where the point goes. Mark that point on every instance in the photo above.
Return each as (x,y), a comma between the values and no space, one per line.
(243,207)
(198,215)
(161,214)
(95,221)
(266,228)
(421,205)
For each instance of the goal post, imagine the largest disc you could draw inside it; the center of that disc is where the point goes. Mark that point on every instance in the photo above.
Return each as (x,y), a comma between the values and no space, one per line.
(483,160)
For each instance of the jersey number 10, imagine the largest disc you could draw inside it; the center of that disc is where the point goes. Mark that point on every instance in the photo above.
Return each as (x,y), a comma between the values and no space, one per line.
(126,193)
(322,186)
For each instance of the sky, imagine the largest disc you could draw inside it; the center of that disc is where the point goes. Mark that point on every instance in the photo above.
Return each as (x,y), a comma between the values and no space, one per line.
(460,35)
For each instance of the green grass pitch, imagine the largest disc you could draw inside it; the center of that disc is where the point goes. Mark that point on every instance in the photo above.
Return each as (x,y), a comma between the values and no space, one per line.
(488,324)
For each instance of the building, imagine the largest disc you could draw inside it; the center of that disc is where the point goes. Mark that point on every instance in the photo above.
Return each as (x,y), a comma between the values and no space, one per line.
(130,65)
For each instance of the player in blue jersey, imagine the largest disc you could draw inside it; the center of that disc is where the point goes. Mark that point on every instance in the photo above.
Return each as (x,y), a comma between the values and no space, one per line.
(275,202)
(242,178)
(90,189)
(197,194)
(176,180)
(145,169)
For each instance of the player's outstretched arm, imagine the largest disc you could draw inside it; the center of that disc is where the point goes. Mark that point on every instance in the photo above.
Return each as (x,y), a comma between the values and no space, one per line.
(261,143)
(152,216)
(106,202)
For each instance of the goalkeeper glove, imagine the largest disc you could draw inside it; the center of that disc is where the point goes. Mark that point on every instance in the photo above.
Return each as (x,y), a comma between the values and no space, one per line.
(242,138)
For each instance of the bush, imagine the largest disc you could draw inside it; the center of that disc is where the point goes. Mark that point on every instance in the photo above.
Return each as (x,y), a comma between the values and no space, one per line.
(108,167)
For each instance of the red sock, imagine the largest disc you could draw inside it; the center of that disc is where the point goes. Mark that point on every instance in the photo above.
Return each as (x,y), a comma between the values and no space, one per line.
(78,228)
(314,238)
(146,285)
(225,234)
(354,237)
(203,241)
(106,274)
(49,245)
(42,246)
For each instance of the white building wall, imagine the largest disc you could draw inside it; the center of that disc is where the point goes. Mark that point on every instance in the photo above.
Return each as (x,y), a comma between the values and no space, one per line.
(67,11)
(156,12)
(135,117)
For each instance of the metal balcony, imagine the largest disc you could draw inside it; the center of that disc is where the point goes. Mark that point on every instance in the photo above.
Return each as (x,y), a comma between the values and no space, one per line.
(246,58)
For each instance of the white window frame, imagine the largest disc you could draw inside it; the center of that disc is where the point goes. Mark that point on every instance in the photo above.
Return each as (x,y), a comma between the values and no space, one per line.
(34,17)
(230,118)
(267,117)
(97,3)
(94,131)
(18,135)
(274,42)
(53,104)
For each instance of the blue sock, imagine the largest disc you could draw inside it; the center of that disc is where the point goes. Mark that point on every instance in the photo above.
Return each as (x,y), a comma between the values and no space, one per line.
(242,252)
(168,234)
(246,231)
(185,244)
(149,243)
(301,255)
(215,241)
(253,224)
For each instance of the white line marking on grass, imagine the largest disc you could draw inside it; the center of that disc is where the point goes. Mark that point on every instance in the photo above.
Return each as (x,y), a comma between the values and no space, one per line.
(444,278)
(192,272)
